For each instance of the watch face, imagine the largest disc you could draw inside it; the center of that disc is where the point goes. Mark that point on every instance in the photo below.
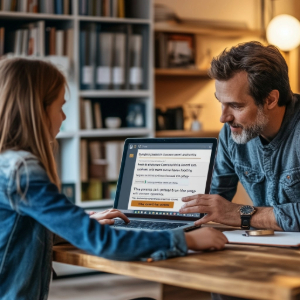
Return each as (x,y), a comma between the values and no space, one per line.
(246,210)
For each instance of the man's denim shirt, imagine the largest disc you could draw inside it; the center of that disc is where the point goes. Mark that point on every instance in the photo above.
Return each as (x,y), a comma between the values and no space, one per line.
(269,173)
(29,219)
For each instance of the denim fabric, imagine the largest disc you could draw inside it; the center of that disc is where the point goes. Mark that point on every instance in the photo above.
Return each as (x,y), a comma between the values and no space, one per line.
(28,219)
(269,173)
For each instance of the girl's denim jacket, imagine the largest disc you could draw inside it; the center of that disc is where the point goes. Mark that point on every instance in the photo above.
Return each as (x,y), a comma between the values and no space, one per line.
(32,209)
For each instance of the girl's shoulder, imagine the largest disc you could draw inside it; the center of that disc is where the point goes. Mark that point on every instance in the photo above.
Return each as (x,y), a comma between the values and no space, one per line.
(11,160)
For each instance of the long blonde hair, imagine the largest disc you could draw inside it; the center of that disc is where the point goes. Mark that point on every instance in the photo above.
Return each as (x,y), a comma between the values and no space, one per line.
(27,88)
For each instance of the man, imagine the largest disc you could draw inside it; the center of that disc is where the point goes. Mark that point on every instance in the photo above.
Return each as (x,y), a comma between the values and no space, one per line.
(259,143)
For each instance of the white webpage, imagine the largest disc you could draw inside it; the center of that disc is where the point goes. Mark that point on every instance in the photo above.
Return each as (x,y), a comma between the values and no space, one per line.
(163,176)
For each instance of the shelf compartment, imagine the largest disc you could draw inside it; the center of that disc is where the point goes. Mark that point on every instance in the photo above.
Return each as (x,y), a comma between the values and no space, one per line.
(186,133)
(181,72)
(115,132)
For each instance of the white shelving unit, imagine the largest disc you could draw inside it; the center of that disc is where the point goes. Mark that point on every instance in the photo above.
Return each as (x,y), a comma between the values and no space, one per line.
(71,133)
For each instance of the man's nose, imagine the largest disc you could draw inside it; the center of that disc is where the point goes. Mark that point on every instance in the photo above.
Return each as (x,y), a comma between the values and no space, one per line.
(226,117)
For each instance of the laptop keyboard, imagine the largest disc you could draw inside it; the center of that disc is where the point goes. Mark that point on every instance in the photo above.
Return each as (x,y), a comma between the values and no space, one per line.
(147,225)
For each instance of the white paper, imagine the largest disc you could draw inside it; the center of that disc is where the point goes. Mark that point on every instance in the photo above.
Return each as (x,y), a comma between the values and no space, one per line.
(103,75)
(118,75)
(136,75)
(87,74)
(280,238)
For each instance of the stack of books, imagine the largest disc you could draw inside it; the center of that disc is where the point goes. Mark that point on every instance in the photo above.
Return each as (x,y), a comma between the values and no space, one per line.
(103,8)
(58,7)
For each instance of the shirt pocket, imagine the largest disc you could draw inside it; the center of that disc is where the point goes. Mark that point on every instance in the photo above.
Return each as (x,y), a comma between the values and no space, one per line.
(253,181)
(289,185)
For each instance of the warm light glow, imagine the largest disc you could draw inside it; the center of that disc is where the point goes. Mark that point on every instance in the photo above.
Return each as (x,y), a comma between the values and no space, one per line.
(284,32)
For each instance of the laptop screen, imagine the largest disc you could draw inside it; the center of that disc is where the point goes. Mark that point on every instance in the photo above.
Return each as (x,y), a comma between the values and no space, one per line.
(156,175)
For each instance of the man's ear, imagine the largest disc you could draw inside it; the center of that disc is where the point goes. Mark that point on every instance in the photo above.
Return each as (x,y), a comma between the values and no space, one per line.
(272,99)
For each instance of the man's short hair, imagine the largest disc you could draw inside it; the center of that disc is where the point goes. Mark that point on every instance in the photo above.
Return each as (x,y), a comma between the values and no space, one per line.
(265,66)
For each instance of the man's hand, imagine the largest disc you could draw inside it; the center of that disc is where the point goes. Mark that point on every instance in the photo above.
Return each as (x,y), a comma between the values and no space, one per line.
(107,216)
(205,239)
(216,208)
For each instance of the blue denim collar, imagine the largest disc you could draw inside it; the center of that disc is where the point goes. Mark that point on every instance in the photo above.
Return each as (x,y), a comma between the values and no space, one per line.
(287,125)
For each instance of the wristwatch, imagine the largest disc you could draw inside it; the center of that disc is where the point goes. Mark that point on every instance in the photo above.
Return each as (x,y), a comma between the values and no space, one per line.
(246,213)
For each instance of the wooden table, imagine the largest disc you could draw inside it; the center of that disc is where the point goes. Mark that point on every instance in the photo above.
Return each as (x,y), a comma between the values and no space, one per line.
(241,271)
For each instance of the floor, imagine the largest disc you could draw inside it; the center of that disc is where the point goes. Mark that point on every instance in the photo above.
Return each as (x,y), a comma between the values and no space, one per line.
(115,287)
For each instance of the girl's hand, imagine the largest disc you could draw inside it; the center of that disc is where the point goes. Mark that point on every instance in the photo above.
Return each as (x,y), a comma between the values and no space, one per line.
(205,239)
(107,216)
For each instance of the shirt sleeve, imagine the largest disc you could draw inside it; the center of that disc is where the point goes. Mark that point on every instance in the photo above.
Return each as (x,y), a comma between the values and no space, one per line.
(41,200)
(224,180)
(288,216)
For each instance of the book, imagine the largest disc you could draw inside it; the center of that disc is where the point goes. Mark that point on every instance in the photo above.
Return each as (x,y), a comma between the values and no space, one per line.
(66,7)
(99,8)
(52,41)
(59,42)
(104,67)
(2,36)
(59,7)
(88,115)
(95,151)
(97,115)
(136,72)
(106,6)
(112,157)
(41,38)
(82,114)
(69,42)
(25,34)
(18,42)
(114,8)
(121,9)
(118,74)
(83,161)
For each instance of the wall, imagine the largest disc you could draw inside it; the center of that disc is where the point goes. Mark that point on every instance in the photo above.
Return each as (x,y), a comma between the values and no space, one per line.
(172,92)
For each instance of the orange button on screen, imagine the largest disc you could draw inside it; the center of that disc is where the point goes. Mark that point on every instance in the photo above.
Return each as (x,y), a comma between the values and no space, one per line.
(160,204)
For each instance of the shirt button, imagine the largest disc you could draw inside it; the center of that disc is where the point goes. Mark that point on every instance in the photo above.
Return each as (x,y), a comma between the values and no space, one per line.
(288,177)
(246,173)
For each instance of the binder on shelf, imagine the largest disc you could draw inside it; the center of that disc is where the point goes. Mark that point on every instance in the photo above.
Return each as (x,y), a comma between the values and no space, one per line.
(118,74)
(112,156)
(136,72)
(104,67)
(88,56)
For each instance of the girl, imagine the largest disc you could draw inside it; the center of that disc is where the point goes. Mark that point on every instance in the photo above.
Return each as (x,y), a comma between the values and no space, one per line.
(31,207)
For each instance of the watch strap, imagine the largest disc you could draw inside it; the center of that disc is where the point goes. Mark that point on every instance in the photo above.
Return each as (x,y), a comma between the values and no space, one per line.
(245,221)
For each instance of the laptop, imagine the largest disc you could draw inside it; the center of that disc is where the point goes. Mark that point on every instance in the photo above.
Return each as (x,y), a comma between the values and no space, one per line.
(155,174)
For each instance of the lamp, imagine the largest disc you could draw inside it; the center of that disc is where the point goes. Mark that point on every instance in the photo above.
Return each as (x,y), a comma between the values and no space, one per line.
(284,32)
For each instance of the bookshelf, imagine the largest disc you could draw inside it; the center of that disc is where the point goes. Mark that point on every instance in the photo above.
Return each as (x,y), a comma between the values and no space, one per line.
(113,101)
(183,52)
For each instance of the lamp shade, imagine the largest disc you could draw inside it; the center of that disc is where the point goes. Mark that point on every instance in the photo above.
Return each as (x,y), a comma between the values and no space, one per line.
(284,32)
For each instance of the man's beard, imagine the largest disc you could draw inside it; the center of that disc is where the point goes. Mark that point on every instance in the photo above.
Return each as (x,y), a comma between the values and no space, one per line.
(251,131)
